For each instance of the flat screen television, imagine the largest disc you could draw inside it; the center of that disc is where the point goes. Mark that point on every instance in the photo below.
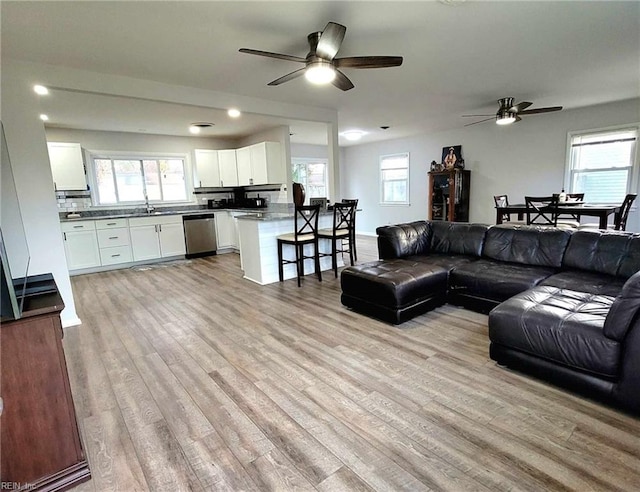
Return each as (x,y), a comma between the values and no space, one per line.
(14,251)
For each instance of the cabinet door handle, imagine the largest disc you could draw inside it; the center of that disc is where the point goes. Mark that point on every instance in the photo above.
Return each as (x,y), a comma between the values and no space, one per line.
(221,183)
(114,237)
(111,223)
(55,186)
(155,227)
(65,235)
(160,226)
(200,183)
(78,227)
(115,256)
(250,181)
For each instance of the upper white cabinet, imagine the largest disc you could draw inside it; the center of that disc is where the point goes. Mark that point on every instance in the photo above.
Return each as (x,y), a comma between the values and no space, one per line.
(261,163)
(67,166)
(256,164)
(207,168)
(228,167)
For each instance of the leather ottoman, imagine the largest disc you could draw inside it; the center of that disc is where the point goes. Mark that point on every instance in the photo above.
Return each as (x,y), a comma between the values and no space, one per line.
(394,290)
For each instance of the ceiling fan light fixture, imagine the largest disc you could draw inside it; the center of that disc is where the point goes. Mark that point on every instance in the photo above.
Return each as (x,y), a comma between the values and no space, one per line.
(320,72)
(505,117)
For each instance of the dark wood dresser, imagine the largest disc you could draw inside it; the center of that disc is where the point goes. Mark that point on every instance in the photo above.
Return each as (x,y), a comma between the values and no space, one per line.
(40,443)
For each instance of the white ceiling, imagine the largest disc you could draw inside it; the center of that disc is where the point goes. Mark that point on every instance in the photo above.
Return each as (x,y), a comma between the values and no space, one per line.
(459,57)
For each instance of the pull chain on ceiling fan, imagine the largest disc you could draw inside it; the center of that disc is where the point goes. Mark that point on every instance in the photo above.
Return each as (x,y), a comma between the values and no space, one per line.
(510,113)
(321,64)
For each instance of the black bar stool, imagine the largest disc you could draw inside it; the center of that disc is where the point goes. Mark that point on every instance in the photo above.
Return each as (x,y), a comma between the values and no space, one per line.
(305,232)
(343,218)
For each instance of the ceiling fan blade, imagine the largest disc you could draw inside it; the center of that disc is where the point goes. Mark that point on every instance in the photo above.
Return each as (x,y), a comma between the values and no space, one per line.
(541,110)
(368,61)
(481,121)
(330,40)
(272,55)
(288,77)
(476,115)
(520,106)
(342,81)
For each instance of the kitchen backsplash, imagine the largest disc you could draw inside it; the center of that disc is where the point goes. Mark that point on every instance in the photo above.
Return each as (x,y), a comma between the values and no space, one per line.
(73,201)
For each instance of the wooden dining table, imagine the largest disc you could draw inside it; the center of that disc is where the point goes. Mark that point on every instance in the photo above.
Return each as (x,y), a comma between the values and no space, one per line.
(601,211)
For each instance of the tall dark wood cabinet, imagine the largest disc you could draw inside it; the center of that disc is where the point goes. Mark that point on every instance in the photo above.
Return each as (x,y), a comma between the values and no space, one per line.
(449,195)
(41,447)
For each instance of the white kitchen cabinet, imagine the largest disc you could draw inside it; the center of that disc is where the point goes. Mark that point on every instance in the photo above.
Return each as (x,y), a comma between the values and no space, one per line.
(156,237)
(67,166)
(113,241)
(228,167)
(207,168)
(145,242)
(80,244)
(171,239)
(225,229)
(261,163)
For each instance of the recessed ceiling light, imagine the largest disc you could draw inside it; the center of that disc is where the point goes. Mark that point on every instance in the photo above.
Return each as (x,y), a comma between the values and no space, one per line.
(196,128)
(233,112)
(44,117)
(40,90)
(353,135)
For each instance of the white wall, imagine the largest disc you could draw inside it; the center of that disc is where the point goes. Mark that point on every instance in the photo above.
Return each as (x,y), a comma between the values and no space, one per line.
(26,143)
(527,158)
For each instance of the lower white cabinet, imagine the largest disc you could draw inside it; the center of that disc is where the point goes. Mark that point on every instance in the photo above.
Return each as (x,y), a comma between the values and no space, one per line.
(156,237)
(225,230)
(80,244)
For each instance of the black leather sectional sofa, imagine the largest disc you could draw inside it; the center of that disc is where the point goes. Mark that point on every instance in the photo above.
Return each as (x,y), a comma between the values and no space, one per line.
(563,305)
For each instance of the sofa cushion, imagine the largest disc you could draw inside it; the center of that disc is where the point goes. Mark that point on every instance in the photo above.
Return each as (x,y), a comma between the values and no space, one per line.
(529,245)
(625,310)
(445,261)
(583,281)
(560,325)
(394,283)
(608,252)
(457,238)
(495,280)
(398,241)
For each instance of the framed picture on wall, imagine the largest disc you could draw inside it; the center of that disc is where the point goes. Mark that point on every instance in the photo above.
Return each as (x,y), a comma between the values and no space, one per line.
(451,155)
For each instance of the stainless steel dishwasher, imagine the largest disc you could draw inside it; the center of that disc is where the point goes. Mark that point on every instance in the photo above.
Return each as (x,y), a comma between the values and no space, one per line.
(200,235)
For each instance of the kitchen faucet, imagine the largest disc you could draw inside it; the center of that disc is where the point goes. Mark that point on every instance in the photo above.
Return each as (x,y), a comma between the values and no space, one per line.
(150,208)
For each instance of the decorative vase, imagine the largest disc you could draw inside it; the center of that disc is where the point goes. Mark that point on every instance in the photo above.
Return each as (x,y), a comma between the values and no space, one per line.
(298,194)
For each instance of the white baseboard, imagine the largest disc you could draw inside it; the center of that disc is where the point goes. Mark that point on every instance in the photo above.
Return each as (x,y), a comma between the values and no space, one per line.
(75,321)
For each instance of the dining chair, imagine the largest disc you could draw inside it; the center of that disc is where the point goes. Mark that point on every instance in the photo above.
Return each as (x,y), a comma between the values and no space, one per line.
(305,232)
(567,219)
(620,217)
(353,229)
(343,217)
(540,210)
(502,201)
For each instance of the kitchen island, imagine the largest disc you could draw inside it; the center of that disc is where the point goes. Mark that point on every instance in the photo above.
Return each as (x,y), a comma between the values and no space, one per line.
(258,234)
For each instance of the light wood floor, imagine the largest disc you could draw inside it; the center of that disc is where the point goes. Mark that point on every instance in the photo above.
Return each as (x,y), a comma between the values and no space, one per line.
(188,377)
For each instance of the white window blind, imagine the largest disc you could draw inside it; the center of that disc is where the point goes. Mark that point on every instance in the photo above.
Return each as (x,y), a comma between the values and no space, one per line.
(601,164)
(394,179)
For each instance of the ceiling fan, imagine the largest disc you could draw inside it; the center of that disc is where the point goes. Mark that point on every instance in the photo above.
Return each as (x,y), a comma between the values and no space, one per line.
(321,65)
(510,113)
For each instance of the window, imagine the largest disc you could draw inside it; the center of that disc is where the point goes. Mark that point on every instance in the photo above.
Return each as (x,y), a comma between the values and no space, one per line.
(601,164)
(128,181)
(312,174)
(394,179)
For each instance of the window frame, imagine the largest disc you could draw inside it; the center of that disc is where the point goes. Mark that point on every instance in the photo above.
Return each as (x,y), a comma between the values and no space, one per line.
(137,156)
(632,181)
(313,160)
(405,203)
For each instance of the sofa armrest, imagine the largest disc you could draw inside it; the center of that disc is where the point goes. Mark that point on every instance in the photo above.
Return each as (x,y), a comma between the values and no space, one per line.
(397,241)
(624,310)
